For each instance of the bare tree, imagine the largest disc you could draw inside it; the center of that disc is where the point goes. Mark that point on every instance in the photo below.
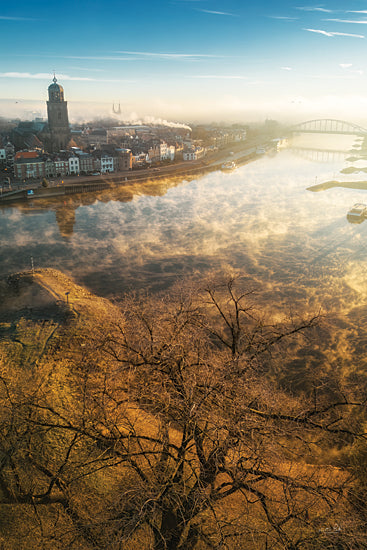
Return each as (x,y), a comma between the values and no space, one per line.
(170,436)
(218,431)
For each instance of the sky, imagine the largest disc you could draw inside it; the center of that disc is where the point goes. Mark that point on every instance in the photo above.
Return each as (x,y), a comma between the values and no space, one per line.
(186,60)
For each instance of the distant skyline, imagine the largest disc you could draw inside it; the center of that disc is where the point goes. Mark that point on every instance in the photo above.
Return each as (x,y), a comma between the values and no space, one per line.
(186,60)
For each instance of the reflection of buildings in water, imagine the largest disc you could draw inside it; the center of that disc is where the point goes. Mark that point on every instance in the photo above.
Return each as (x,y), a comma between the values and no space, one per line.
(66,207)
(65,217)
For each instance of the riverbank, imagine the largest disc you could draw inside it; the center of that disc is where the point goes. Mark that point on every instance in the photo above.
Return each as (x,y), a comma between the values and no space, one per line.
(324,186)
(85,184)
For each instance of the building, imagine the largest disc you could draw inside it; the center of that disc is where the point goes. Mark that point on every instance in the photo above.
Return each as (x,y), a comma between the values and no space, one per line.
(61,166)
(86,162)
(193,153)
(171,150)
(2,154)
(103,162)
(7,152)
(153,154)
(162,150)
(25,135)
(58,122)
(124,159)
(107,164)
(29,164)
(74,164)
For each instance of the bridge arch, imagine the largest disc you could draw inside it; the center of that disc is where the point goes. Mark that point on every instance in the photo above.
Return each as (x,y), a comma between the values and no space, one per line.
(328,126)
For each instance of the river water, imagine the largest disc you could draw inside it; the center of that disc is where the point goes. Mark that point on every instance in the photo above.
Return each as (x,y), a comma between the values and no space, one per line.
(261,219)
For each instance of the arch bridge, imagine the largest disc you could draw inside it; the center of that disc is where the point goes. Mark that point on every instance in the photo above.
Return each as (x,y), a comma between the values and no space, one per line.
(328,126)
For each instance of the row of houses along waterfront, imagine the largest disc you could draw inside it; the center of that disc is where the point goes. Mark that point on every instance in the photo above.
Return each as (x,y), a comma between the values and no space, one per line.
(39,149)
(34,164)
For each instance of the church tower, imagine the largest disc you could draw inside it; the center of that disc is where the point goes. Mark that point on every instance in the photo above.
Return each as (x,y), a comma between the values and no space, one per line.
(57,113)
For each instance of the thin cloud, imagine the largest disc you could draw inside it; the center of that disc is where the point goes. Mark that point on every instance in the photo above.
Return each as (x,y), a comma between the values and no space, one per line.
(212,12)
(348,34)
(163,55)
(348,67)
(332,34)
(93,57)
(286,68)
(130,56)
(85,57)
(282,17)
(332,77)
(47,76)
(13,18)
(356,21)
(221,77)
(86,69)
(313,8)
(356,11)
(318,31)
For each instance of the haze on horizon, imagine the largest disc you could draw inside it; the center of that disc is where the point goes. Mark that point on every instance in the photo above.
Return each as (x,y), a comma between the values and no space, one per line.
(186,60)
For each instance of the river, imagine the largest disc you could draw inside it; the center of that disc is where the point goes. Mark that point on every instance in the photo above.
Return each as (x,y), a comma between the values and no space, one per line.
(261,219)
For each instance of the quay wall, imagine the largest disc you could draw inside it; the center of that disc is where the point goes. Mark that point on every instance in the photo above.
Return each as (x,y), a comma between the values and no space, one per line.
(99,183)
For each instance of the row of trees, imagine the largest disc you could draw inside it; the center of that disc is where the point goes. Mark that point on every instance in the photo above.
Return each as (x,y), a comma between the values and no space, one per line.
(164,430)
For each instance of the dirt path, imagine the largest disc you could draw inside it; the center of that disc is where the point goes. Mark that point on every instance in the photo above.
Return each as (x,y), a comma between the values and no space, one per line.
(79,300)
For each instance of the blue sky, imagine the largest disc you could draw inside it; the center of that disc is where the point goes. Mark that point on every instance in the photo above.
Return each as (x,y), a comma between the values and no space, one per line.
(187,60)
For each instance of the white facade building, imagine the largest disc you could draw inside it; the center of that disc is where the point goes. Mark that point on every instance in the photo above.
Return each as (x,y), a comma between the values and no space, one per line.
(166,152)
(74,165)
(107,164)
(163,150)
(171,150)
(194,154)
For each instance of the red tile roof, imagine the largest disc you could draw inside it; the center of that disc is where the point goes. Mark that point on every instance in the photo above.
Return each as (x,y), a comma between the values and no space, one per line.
(26,155)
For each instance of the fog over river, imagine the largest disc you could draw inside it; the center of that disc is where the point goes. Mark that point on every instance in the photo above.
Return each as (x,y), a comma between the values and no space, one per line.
(261,218)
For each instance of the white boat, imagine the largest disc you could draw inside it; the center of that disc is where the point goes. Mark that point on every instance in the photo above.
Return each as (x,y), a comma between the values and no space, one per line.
(357,213)
(229,165)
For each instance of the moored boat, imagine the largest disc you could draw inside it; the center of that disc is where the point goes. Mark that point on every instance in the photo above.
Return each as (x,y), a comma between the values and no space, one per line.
(229,165)
(357,213)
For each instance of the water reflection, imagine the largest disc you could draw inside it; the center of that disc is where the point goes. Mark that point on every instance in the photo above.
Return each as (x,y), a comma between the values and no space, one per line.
(354,167)
(358,213)
(65,218)
(316,148)
(259,218)
(319,155)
